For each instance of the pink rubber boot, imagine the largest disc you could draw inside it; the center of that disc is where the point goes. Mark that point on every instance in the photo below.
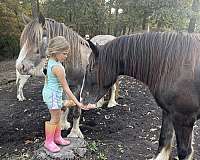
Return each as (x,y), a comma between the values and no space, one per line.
(49,141)
(57,137)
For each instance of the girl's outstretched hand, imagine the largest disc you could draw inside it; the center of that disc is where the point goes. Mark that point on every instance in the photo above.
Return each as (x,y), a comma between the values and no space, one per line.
(87,107)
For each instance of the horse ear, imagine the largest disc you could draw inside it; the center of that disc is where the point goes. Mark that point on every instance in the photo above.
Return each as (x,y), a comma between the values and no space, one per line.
(94,48)
(26,19)
(87,37)
(41,19)
(98,45)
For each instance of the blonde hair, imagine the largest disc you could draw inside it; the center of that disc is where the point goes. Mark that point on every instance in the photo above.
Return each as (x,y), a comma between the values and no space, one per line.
(56,45)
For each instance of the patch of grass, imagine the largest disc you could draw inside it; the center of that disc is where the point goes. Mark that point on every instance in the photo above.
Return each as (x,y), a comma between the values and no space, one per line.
(93,148)
(101,156)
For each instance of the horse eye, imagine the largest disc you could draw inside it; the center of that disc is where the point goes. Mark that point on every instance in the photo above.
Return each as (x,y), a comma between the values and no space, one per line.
(91,68)
(37,51)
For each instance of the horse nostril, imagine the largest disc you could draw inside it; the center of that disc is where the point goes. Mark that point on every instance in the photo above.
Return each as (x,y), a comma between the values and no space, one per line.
(182,152)
(23,67)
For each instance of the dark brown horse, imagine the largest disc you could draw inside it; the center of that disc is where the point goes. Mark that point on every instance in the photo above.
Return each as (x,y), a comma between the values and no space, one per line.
(169,64)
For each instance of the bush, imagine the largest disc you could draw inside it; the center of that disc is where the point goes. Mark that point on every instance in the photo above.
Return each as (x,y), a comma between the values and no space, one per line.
(9,47)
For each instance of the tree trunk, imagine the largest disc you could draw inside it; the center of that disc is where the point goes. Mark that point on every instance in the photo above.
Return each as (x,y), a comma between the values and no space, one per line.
(144,21)
(35,8)
(195,8)
(159,24)
(192,25)
(116,29)
(124,30)
(109,24)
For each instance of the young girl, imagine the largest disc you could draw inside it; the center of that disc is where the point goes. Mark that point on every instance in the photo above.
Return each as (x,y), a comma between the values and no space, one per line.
(55,83)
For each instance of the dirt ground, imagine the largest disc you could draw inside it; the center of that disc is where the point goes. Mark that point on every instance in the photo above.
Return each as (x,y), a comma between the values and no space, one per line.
(128,131)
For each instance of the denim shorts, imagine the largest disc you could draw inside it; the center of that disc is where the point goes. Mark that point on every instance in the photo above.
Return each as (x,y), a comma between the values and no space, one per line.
(52,99)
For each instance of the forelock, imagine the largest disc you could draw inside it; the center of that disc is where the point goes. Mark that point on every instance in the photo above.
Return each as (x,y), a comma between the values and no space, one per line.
(32,34)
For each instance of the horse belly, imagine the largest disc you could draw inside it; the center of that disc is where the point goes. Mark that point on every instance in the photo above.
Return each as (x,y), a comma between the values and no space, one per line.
(183,97)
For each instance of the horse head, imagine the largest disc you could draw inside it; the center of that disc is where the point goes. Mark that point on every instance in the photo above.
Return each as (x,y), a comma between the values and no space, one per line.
(33,43)
(92,91)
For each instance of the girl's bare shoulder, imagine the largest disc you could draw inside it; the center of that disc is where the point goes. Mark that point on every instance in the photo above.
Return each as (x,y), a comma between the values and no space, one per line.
(57,70)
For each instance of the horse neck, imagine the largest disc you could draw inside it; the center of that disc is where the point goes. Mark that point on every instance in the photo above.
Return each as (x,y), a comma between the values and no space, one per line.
(159,64)
(157,59)
(133,60)
(76,61)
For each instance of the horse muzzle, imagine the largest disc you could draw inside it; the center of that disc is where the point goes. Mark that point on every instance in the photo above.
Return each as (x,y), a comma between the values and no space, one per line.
(24,69)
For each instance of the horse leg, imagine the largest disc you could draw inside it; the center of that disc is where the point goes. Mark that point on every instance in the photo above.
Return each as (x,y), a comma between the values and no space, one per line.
(184,135)
(20,81)
(100,102)
(75,131)
(113,93)
(112,101)
(166,138)
(64,114)
(64,119)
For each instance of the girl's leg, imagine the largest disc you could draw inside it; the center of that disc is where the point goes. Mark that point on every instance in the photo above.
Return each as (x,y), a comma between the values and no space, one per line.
(55,119)
(55,116)
(50,130)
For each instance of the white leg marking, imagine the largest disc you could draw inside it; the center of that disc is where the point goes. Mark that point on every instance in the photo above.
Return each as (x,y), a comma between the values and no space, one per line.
(75,131)
(82,88)
(190,157)
(20,84)
(166,151)
(100,102)
(21,79)
(63,120)
(164,154)
(112,101)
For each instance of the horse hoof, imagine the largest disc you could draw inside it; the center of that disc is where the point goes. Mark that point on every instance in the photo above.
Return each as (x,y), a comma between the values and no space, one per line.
(24,98)
(76,134)
(112,104)
(21,99)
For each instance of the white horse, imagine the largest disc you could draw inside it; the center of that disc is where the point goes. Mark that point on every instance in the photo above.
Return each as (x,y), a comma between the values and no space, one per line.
(30,62)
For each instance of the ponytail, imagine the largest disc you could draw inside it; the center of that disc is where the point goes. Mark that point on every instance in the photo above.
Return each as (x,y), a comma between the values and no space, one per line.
(45,67)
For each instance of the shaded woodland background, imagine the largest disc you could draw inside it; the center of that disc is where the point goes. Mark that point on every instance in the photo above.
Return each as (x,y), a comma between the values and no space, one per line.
(94,17)
(125,133)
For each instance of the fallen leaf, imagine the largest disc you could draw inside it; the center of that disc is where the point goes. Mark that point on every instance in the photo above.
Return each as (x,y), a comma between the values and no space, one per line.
(28,142)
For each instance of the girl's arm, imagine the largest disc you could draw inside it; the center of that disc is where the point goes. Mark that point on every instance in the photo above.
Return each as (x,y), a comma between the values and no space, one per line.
(58,71)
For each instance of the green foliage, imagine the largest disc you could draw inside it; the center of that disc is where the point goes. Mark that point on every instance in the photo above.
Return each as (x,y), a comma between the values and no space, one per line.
(11,27)
(9,47)
(93,148)
(95,17)
(101,156)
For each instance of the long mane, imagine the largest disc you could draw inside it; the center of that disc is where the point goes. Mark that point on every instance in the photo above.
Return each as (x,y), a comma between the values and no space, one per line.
(153,58)
(32,35)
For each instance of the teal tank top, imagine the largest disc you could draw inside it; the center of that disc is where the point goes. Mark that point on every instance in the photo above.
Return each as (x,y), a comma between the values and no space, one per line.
(52,83)
(52,90)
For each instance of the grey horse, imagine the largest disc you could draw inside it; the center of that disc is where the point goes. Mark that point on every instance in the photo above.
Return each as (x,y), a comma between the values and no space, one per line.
(30,62)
